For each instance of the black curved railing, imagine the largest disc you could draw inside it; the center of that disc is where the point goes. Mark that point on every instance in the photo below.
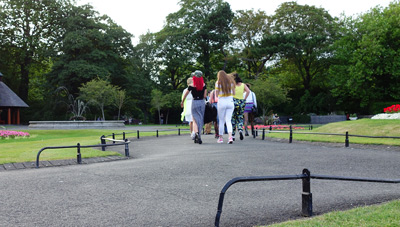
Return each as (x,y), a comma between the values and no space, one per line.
(78,147)
(306,177)
(346,135)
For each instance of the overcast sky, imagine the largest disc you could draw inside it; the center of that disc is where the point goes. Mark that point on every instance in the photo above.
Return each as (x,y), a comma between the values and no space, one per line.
(138,17)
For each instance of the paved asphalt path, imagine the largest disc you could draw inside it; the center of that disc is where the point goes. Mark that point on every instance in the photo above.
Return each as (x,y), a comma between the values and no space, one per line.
(170,181)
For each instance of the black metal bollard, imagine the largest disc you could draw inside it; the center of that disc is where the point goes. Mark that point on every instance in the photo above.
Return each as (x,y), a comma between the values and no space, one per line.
(138,134)
(126,148)
(346,142)
(157,133)
(123,135)
(113,135)
(306,210)
(179,131)
(270,128)
(311,127)
(103,141)
(263,135)
(78,155)
(256,133)
(291,134)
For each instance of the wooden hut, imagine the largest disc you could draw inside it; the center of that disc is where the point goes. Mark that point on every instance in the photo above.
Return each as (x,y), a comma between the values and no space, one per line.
(9,105)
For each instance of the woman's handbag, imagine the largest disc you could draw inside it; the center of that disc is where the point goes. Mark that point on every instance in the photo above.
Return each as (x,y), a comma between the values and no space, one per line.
(254,109)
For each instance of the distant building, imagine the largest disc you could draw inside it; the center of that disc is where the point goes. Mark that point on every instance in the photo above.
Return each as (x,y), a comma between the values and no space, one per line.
(9,105)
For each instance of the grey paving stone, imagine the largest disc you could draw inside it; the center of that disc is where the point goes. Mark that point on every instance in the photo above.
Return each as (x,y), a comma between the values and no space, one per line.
(115,157)
(45,164)
(19,166)
(71,162)
(91,160)
(9,166)
(29,164)
(52,163)
(56,162)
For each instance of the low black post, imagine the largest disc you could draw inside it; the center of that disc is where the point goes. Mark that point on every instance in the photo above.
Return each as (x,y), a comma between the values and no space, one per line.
(78,155)
(256,133)
(138,134)
(179,131)
(263,135)
(311,127)
(113,135)
(157,133)
(346,142)
(123,135)
(103,141)
(270,128)
(291,134)
(306,195)
(126,148)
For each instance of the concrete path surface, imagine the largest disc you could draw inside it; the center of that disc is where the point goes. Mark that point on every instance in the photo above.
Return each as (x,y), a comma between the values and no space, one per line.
(170,181)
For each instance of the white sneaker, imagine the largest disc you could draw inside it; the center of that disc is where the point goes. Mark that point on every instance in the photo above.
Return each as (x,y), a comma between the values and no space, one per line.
(193,135)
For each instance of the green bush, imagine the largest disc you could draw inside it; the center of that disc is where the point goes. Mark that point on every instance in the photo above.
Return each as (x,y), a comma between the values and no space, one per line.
(301,119)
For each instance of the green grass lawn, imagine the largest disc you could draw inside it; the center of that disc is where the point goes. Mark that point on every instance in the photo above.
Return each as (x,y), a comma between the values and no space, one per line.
(26,149)
(387,214)
(367,127)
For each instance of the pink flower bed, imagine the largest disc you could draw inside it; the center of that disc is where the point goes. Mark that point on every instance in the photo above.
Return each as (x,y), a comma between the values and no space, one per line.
(12,134)
(276,127)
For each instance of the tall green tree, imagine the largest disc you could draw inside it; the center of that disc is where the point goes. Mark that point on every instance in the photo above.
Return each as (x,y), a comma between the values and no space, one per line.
(119,98)
(29,30)
(304,35)
(91,46)
(158,101)
(208,23)
(367,58)
(248,28)
(143,77)
(174,57)
(98,92)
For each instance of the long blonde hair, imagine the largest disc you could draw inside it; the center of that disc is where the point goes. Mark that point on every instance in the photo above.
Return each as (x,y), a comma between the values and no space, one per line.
(190,81)
(225,82)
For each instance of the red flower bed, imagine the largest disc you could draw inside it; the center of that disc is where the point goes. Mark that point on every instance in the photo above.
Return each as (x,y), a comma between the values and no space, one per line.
(392,109)
(276,127)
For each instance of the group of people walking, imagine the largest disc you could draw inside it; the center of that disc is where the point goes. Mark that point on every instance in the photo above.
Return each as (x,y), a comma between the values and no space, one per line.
(233,99)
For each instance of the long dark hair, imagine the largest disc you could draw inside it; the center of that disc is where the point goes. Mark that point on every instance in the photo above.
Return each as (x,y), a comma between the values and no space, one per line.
(236,77)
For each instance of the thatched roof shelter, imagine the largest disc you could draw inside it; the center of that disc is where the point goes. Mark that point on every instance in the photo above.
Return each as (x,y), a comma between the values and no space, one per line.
(9,104)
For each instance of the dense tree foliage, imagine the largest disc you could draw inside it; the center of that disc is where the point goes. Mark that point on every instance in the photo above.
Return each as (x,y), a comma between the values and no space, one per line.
(92,46)
(248,29)
(300,59)
(367,68)
(99,93)
(29,32)
(208,24)
(304,34)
